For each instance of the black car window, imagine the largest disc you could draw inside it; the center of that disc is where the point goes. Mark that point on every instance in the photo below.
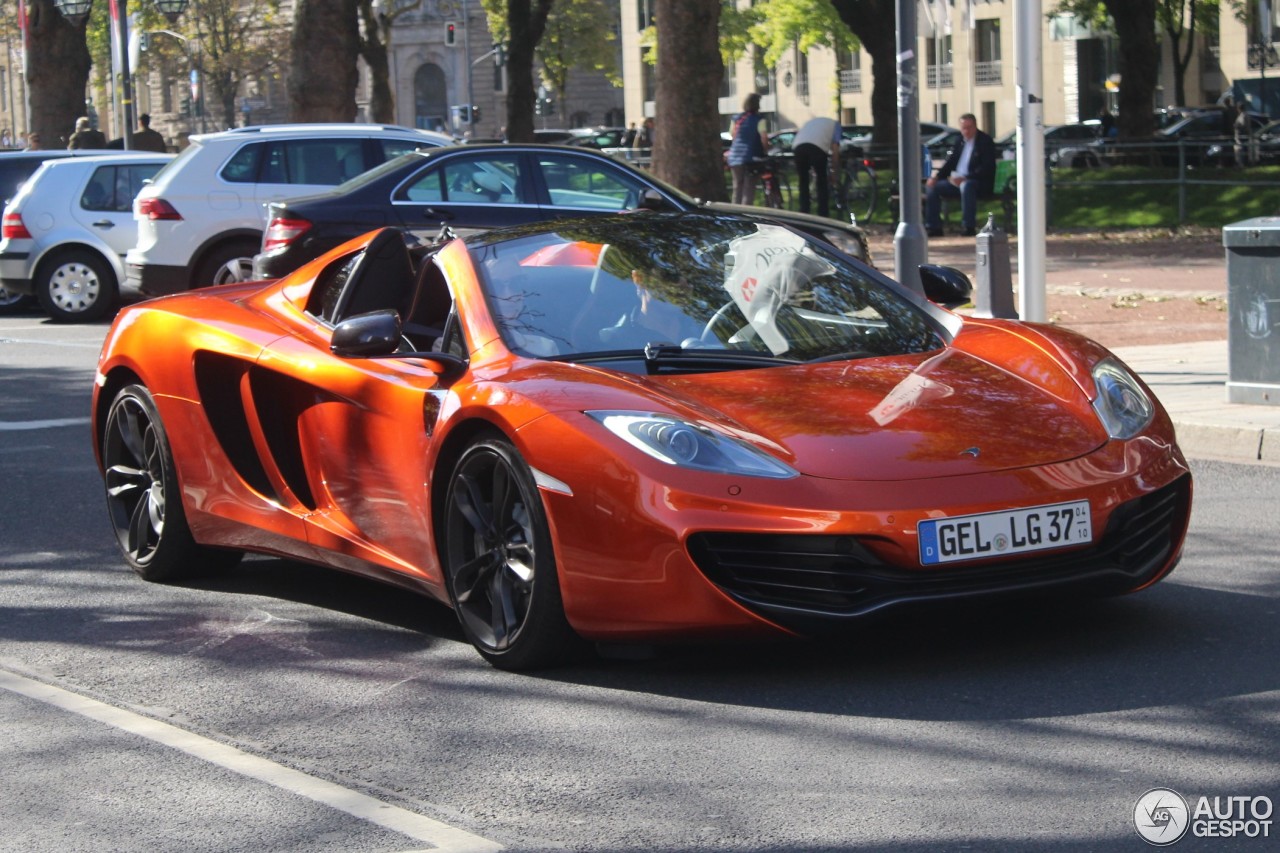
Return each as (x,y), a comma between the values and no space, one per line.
(242,168)
(468,180)
(589,183)
(393,148)
(99,192)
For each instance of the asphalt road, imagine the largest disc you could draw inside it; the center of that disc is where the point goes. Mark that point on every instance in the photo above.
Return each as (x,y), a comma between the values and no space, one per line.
(282,707)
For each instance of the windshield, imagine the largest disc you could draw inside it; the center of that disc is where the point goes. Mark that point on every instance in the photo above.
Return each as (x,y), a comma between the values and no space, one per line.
(691,286)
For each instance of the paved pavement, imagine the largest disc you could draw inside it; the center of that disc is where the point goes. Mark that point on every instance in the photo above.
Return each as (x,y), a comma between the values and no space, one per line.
(1189,377)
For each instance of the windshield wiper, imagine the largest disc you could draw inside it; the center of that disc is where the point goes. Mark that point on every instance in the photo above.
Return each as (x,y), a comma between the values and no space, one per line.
(662,354)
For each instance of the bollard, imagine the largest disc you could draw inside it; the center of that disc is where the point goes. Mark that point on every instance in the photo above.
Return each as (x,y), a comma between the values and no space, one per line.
(995,276)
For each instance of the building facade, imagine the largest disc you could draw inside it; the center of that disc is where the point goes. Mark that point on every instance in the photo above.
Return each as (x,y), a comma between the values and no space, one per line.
(966,60)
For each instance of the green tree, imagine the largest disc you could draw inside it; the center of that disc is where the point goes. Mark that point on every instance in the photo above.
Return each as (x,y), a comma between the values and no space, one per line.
(875,23)
(375,35)
(237,41)
(1134,22)
(574,39)
(519,24)
(686,151)
(1179,20)
(57,71)
(324,48)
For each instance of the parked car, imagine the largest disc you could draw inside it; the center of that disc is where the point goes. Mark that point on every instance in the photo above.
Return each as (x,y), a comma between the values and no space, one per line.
(66,232)
(1057,137)
(853,137)
(634,428)
(201,220)
(1194,135)
(1266,143)
(478,187)
(15,168)
(600,138)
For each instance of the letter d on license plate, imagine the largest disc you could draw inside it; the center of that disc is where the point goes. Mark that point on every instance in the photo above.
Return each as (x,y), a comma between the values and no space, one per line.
(1012,531)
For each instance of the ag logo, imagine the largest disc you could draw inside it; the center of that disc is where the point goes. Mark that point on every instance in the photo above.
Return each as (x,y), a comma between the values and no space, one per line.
(1161,816)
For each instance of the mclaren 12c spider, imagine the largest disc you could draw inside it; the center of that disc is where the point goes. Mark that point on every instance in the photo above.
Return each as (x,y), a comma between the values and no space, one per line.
(633,428)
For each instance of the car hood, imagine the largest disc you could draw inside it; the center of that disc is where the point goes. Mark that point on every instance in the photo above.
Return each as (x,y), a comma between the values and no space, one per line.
(806,221)
(946,413)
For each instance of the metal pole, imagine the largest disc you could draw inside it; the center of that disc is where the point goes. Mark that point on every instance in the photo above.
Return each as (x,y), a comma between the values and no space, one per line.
(910,246)
(466,46)
(1028,50)
(120,31)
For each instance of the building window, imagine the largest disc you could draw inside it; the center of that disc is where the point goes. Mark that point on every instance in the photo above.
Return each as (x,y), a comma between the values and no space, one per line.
(644,13)
(802,75)
(989,117)
(938,62)
(987,68)
(764,76)
(650,81)
(849,63)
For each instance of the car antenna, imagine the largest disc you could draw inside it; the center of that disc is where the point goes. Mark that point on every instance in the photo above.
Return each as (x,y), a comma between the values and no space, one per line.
(446,234)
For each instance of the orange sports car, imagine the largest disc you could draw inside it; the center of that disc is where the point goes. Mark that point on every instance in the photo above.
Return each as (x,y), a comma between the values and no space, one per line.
(632,428)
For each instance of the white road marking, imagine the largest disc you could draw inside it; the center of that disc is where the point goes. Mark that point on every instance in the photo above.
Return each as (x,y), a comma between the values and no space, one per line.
(14,426)
(441,836)
(48,343)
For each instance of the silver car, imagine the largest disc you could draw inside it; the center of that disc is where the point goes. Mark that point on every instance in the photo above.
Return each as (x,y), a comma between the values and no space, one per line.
(66,232)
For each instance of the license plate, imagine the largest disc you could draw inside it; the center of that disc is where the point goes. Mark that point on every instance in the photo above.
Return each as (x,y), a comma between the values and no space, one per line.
(1011,531)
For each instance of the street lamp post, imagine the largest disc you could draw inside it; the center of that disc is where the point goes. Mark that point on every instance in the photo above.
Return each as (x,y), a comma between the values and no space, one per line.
(76,11)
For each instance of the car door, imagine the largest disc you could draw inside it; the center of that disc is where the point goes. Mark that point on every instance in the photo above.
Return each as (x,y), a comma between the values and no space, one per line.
(292,168)
(577,185)
(469,192)
(105,203)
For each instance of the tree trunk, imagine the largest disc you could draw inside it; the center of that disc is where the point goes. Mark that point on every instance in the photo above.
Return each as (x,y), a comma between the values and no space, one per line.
(875,23)
(1138,62)
(686,144)
(373,47)
(57,73)
(325,45)
(526,22)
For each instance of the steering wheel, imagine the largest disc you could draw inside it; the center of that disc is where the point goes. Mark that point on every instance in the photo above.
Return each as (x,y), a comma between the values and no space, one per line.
(720,317)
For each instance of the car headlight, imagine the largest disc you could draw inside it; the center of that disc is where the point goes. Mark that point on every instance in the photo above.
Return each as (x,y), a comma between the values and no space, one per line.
(678,442)
(1122,406)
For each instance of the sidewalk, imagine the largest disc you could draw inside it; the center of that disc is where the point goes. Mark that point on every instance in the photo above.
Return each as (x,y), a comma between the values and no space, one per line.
(1159,301)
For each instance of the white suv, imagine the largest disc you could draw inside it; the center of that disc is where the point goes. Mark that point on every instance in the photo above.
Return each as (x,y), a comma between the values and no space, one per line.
(200,221)
(66,232)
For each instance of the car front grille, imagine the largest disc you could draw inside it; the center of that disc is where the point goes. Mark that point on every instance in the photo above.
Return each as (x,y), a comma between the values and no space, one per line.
(804,581)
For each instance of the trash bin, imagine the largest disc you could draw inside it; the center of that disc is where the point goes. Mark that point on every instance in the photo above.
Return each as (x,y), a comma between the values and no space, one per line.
(1253,297)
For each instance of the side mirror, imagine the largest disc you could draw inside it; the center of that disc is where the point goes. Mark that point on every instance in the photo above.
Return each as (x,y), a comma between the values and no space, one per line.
(651,199)
(373,334)
(946,286)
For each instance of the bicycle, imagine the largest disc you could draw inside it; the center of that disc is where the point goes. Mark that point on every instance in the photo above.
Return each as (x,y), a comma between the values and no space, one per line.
(855,191)
(771,182)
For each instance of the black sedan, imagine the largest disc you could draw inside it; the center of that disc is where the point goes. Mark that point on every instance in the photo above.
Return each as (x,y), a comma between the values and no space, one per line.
(477,187)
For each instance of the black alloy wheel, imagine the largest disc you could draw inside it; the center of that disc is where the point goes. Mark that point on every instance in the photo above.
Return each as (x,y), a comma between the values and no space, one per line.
(143,497)
(498,560)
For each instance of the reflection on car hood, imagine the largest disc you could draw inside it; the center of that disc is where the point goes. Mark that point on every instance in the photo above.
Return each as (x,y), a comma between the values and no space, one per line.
(807,221)
(900,418)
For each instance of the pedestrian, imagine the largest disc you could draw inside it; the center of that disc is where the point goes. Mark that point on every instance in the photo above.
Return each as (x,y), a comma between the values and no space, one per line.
(86,136)
(750,142)
(816,147)
(643,143)
(969,172)
(1108,122)
(1242,133)
(147,139)
(629,138)
(6,141)
(34,142)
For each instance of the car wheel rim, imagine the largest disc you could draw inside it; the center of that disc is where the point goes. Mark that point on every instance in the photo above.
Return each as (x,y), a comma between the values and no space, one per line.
(234,270)
(493,556)
(8,298)
(74,287)
(134,461)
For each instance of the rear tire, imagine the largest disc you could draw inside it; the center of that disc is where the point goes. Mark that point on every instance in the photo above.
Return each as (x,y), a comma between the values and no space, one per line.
(227,264)
(143,496)
(498,561)
(76,287)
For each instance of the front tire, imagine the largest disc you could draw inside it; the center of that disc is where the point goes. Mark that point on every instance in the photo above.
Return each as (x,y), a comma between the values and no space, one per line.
(498,560)
(76,287)
(143,496)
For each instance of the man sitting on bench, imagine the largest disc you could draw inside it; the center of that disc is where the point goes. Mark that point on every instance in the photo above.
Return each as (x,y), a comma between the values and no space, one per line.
(969,172)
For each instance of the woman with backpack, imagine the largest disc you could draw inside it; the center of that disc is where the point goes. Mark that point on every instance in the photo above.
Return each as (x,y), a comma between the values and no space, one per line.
(750,140)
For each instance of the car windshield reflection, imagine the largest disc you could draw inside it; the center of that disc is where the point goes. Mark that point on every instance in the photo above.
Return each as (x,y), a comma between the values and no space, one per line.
(686,288)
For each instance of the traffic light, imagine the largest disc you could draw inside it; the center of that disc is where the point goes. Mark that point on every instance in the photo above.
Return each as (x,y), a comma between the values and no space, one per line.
(537,106)
(184,106)
(451,34)
(464,114)
(475,114)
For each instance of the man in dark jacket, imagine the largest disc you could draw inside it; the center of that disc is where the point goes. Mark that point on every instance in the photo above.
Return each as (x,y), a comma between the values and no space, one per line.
(969,173)
(86,136)
(147,139)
